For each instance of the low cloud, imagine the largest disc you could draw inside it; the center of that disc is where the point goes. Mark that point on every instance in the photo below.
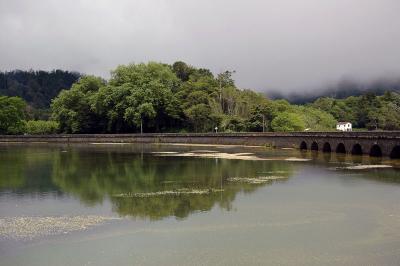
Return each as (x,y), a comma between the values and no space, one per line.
(290,46)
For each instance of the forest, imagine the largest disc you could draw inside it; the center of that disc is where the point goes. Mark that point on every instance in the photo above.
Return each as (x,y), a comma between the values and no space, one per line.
(37,88)
(157,97)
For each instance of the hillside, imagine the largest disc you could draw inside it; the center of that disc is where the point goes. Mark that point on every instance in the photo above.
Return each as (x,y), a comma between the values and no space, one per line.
(341,90)
(37,88)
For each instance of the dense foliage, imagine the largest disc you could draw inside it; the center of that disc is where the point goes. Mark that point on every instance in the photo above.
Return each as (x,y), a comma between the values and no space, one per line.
(37,88)
(157,97)
(41,127)
(11,115)
(365,111)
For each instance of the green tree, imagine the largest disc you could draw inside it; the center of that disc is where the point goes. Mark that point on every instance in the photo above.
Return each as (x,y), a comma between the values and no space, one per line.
(12,115)
(199,116)
(182,70)
(72,108)
(287,122)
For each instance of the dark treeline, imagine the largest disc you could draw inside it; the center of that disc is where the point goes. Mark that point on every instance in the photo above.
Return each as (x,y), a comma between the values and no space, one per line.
(341,90)
(37,88)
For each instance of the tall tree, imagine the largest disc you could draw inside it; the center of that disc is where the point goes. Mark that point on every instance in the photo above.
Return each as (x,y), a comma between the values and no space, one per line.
(12,115)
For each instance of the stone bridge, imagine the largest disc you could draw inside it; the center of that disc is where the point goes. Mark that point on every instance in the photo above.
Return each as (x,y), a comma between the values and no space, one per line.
(384,143)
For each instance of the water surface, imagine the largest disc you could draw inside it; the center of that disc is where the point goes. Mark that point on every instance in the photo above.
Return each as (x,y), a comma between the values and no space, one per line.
(195,205)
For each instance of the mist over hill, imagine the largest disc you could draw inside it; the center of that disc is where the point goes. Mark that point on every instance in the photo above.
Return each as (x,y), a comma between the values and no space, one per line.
(341,90)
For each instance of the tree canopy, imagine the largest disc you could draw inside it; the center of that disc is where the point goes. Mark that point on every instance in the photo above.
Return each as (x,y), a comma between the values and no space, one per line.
(156,97)
(12,114)
(365,111)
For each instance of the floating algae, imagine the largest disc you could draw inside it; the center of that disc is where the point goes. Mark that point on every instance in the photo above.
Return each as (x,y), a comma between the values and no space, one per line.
(256,180)
(247,156)
(28,228)
(205,151)
(219,155)
(164,152)
(294,159)
(274,172)
(362,167)
(177,192)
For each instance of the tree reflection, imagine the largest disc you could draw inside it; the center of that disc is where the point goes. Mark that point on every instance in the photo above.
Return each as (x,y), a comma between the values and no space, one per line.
(93,177)
(26,170)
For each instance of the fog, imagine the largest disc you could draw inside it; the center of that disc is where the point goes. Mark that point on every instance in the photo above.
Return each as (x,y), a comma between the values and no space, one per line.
(285,46)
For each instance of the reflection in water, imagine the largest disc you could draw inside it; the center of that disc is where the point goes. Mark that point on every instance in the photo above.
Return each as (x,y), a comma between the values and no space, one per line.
(327,156)
(94,175)
(97,175)
(356,159)
(92,178)
(322,211)
(341,157)
(25,170)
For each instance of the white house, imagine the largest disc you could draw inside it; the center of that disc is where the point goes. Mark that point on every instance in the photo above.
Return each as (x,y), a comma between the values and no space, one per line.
(344,126)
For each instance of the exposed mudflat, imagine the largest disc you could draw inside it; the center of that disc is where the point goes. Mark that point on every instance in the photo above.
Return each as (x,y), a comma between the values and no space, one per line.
(248,156)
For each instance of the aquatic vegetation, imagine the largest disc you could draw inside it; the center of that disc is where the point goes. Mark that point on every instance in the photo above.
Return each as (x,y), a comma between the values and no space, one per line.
(294,159)
(256,180)
(362,167)
(164,152)
(221,155)
(177,192)
(205,151)
(274,172)
(28,228)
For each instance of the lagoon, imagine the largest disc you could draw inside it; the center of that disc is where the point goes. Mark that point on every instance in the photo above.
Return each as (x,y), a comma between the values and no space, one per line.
(144,204)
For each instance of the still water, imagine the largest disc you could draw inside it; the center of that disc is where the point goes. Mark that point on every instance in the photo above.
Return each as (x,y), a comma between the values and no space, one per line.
(195,205)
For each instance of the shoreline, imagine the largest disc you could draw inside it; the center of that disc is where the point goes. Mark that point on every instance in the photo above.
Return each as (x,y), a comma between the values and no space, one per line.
(378,144)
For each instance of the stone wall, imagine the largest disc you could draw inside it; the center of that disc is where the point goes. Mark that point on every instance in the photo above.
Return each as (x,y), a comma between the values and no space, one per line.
(386,141)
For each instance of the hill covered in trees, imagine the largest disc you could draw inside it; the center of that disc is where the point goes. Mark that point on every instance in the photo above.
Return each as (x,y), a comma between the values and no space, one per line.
(157,97)
(37,88)
(341,90)
(365,111)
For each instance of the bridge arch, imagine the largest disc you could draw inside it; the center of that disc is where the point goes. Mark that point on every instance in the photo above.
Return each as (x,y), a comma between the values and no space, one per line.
(357,149)
(375,151)
(303,145)
(314,146)
(395,154)
(340,148)
(326,147)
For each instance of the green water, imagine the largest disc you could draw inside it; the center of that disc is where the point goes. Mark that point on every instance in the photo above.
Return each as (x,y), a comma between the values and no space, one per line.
(130,205)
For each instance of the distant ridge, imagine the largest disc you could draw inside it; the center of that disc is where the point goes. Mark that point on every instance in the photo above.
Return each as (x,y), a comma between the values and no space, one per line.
(341,90)
(37,88)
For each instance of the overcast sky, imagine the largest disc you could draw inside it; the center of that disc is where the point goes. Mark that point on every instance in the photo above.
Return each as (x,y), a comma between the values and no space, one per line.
(290,45)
